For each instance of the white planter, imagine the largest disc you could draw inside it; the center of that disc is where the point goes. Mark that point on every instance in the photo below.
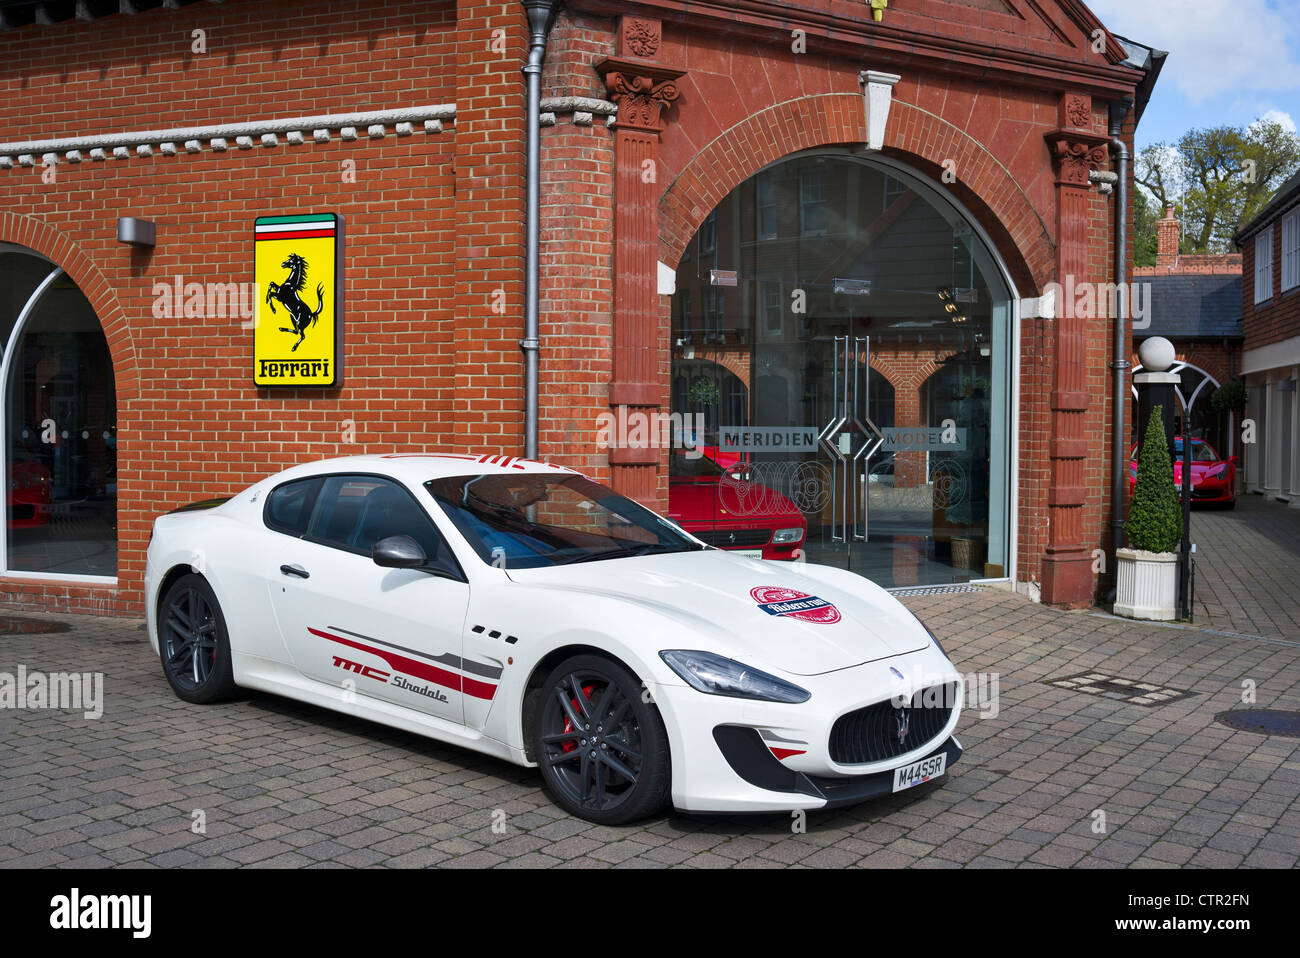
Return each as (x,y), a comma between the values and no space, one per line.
(1146,584)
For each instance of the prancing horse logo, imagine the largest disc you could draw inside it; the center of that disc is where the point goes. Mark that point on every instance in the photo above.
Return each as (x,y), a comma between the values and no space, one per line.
(300,313)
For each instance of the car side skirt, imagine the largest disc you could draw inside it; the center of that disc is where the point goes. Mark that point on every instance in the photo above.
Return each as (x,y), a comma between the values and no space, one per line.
(252,672)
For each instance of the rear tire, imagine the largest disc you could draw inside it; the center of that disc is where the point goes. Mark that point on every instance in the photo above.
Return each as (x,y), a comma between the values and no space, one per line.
(193,643)
(602,750)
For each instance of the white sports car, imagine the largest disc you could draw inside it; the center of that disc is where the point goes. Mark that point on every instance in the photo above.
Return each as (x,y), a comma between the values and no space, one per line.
(525,611)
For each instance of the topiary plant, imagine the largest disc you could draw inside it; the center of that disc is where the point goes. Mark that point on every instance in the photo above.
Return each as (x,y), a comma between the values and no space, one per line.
(1231,396)
(1155,519)
(703,391)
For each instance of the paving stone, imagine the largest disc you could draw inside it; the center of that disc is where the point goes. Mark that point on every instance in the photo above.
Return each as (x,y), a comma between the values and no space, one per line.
(287,786)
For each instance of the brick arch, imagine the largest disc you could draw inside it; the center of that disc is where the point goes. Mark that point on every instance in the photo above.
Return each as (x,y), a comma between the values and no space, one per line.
(930,367)
(888,373)
(55,246)
(915,136)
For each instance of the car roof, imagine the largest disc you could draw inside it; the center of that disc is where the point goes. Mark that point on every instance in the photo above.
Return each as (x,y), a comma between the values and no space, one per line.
(418,467)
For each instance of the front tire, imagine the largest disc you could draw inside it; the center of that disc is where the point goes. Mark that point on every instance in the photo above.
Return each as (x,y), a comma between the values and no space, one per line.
(193,642)
(602,749)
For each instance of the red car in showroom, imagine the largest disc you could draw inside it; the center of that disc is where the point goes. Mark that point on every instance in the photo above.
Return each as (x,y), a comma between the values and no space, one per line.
(1214,479)
(724,508)
(29,494)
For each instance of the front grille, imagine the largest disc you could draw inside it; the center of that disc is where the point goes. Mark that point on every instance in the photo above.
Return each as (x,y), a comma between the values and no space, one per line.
(871,734)
(725,538)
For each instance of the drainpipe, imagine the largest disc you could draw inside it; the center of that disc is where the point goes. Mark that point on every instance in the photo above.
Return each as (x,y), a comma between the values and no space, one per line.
(540,14)
(1120,364)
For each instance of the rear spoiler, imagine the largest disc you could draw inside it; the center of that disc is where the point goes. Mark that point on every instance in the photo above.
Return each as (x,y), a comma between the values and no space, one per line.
(202,504)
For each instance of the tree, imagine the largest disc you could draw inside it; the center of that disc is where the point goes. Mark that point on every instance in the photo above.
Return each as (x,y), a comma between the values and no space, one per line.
(1155,519)
(1218,178)
(1145,238)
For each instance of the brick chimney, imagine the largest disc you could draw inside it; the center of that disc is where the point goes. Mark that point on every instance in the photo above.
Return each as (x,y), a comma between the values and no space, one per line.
(1167,240)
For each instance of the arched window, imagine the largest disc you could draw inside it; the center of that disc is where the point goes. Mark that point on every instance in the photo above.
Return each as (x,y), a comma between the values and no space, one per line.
(817,263)
(59,425)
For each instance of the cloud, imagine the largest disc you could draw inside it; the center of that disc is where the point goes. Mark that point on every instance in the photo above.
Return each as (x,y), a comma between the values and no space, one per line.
(1280,117)
(1215,48)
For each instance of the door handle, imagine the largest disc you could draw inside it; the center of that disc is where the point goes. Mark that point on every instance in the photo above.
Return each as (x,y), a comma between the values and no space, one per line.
(297,570)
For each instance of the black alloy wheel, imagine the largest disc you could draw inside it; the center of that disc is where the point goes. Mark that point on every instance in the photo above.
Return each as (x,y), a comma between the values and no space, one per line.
(601,744)
(193,643)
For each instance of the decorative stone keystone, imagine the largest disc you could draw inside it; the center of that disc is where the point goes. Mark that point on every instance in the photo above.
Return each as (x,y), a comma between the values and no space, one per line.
(878,91)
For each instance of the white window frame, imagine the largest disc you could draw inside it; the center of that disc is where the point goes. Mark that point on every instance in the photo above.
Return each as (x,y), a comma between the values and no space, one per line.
(709,235)
(772,307)
(6,364)
(812,194)
(765,225)
(1291,250)
(1264,265)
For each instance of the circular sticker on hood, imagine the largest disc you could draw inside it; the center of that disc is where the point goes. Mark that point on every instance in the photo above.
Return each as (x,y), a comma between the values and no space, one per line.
(797,605)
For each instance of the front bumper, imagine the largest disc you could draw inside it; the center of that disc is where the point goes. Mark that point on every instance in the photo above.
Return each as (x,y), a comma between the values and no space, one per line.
(715,741)
(749,758)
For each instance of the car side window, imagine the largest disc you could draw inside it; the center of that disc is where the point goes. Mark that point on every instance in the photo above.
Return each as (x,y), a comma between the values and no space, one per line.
(289,506)
(354,512)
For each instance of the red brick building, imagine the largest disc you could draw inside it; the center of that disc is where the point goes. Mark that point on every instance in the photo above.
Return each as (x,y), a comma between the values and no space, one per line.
(1194,301)
(1270,247)
(774,217)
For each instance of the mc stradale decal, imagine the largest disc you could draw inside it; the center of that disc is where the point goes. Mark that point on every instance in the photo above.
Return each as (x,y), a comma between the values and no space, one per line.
(415,665)
(795,605)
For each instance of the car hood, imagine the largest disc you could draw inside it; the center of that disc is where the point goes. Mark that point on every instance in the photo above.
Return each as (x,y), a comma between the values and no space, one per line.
(800,618)
(707,499)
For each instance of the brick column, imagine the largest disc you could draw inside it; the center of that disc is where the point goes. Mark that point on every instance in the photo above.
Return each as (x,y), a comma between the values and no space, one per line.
(642,89)
(1067,577)
(488,398)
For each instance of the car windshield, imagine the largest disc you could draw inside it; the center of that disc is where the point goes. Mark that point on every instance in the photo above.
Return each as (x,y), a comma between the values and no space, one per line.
(530,520)
(1201,451)
(692,464)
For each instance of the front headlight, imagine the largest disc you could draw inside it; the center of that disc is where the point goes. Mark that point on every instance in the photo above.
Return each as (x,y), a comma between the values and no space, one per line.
(718,675)
(1217,471)
(934,638)
(787,535)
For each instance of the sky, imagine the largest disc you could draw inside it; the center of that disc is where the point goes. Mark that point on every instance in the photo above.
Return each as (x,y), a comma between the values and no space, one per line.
(1230,61)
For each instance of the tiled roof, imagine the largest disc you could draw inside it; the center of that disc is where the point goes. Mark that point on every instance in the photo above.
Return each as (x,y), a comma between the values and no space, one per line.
(1286,193)
(1192,306)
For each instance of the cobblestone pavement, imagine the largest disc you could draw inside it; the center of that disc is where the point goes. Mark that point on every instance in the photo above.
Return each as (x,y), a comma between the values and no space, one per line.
(1248,568)
(281,784)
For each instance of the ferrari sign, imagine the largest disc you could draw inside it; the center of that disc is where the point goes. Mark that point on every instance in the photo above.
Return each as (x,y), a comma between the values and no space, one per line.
(298,268)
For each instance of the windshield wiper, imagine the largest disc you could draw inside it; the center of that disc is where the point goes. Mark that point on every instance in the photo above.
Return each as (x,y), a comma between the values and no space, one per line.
(624,552)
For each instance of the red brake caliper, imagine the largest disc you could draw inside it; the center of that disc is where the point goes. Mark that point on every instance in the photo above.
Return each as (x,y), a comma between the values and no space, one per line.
(568,722)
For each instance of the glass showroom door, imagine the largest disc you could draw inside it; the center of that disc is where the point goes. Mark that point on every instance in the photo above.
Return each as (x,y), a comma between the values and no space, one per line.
(841,355)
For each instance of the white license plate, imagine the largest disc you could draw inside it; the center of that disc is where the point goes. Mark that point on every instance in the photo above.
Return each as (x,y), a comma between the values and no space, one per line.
(749,553)
(919,772)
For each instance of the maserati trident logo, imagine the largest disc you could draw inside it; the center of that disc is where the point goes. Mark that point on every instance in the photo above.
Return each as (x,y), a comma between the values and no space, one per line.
(903,718)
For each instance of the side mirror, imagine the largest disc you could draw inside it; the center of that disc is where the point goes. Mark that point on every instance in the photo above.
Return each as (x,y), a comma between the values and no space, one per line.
(1236,461)
(398,552)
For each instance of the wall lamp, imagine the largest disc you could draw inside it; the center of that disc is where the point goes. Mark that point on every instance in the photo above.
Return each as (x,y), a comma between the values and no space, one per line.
(137,232)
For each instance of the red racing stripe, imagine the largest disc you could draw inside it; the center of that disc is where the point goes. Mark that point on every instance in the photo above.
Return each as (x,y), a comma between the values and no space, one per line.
(420,670)
(786,752)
